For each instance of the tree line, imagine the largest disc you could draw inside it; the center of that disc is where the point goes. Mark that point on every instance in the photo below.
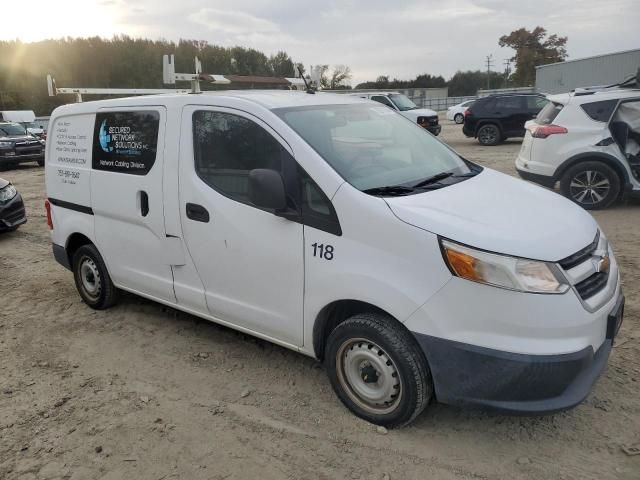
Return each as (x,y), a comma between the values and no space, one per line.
(120,62)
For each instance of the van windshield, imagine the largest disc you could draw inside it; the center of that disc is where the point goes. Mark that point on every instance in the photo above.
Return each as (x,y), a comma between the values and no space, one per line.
(402,102)
(375,149)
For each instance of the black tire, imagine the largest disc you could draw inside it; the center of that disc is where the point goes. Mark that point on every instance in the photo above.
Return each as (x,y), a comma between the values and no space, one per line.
(489,135)
(41,163)
(395,353)
(458,118)
(89,269)
(592,184)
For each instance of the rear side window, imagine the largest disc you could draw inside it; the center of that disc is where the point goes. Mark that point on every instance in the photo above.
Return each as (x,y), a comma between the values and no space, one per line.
(600,111)
(549,113)
(508,103)
(125,142)
(383,100)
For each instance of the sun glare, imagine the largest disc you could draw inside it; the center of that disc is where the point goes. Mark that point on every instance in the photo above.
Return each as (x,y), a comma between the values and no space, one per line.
(55,19)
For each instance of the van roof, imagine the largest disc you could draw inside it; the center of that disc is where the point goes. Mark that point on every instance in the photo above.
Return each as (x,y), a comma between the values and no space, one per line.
(269,99)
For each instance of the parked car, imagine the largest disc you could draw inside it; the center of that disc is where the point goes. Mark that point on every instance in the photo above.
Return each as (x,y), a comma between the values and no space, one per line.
(495,118)
(18,146)
(456,112)
(402,104)
(589,141)
(12,212)
(334,227)
(26,118)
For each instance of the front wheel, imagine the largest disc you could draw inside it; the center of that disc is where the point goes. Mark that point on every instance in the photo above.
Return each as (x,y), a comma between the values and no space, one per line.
(92,278)
(459,118)
(489,135)
(378,370)
(592,185)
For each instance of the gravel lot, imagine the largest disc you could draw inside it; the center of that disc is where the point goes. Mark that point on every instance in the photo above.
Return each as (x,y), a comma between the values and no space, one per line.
(146,392)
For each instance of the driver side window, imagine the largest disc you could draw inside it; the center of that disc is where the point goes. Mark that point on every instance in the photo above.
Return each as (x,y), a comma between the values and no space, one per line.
(227,147)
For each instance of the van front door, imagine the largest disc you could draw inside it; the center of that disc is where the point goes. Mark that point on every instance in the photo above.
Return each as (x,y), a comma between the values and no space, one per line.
(126,198)
(250,261)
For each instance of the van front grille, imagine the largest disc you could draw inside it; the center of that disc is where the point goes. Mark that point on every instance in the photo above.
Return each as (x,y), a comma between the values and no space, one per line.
(581,255)
(592,285)
(587,270)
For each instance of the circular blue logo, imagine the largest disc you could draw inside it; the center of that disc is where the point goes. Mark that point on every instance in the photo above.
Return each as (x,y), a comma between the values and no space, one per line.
(105,138)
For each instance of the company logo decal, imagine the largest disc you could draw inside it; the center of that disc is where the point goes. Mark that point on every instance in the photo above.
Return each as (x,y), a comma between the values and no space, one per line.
(125,142)
(105,138)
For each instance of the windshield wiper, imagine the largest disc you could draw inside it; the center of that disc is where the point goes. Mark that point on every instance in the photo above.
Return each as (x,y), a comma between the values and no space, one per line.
(390,190)
(433,179)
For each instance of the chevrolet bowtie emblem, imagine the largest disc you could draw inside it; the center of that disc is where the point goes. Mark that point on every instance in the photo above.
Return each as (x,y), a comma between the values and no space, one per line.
(602,266)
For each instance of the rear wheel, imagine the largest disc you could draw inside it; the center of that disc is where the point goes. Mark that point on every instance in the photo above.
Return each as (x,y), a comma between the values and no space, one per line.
(489,135)
(458,118)
(378,370)
(92,278)
(592,185)
(41,163)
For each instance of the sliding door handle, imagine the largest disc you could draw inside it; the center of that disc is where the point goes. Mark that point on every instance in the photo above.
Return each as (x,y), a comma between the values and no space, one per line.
(144,203)
(197,213)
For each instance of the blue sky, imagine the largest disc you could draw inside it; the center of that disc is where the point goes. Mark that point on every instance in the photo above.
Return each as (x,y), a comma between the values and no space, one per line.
(374,37)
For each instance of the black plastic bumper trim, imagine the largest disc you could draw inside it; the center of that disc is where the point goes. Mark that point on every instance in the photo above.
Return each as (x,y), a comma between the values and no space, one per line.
(471,376)
(60,254)
(71,206)
(543,180)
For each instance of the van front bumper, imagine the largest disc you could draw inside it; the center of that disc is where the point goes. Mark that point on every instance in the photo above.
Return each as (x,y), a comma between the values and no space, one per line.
(468,375)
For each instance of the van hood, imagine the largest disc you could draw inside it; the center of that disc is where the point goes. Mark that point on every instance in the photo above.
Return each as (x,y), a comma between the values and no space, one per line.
(493,211)
(418,112)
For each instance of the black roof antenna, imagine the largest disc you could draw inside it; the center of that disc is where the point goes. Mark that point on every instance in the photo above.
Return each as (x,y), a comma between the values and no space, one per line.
(306,85)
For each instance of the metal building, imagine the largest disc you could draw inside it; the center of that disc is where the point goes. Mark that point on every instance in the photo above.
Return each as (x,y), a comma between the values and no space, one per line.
(584,72)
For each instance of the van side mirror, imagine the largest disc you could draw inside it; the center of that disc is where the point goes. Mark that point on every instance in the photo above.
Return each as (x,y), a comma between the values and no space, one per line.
(266,189)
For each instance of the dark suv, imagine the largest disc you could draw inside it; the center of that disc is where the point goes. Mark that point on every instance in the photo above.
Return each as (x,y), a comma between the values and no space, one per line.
(19,146)
(494,118)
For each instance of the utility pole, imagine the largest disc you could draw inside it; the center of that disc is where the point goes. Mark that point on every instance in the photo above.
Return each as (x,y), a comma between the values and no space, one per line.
(489,65)
(507,71)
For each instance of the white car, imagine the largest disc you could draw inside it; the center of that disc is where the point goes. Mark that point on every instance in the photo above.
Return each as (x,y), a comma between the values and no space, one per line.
(332,226)
(427,119)
(456,112)
(589,141)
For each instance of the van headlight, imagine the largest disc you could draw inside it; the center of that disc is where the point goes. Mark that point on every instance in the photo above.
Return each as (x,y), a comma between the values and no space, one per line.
(503,271)
(7,193)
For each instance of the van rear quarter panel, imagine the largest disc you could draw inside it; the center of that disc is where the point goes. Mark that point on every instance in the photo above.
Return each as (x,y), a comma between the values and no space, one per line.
(68,173)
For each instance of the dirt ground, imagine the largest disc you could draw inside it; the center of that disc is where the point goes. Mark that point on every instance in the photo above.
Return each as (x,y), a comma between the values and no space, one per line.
(142,391)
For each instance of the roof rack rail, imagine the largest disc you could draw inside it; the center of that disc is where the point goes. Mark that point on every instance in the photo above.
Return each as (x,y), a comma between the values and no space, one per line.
(170,77)
(632,82)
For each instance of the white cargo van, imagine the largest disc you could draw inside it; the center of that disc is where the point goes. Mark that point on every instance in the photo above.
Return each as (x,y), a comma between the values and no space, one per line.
(330,225)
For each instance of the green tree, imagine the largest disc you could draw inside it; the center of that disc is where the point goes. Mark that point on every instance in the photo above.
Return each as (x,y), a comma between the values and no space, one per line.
(281,65)
(469,82)
(533,49)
